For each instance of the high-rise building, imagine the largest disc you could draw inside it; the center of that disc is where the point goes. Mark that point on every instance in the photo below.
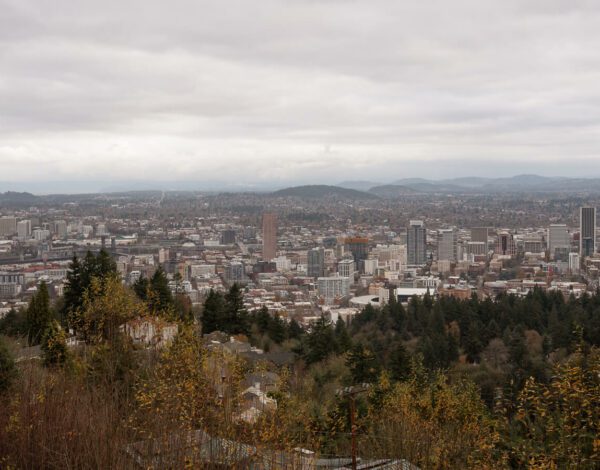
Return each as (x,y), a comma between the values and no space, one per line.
(332,288)
(359,247)
(416,240)
(446,241)
(587,231)
(8,226)
(574,263)
(24,229)
(506,244)
(346,268)
(269,236)
(533,244)
(480,234)
(59,228)
(559,242)
(234,271)
(315,266)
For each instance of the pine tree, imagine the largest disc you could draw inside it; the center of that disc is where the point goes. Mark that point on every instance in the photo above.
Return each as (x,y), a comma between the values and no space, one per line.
(362,364)
(320,342)
(73,296)
(399,362)
(161,298)
(213,314)
(39,315)
(342,337)
(276,329)
(8,370)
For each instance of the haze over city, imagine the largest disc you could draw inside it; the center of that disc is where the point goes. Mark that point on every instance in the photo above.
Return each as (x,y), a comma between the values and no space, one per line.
(300,234)
(277,93)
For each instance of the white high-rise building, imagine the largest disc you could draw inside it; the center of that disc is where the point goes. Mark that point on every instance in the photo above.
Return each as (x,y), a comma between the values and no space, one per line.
(8,226)
(446,245)
(559,242)
(332,288)
(24,229)
(574,263)
(346,268)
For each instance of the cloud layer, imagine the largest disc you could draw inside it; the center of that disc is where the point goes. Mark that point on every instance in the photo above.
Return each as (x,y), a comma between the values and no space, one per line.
(298,90)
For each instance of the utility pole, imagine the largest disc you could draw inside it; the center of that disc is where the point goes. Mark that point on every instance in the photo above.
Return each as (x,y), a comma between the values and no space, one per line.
(351,393)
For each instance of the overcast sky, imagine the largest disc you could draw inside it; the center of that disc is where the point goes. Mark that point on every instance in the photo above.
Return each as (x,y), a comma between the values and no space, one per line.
(297,90)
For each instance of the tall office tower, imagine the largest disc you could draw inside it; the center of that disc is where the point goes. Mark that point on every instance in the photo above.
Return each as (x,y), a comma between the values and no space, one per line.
(446,241)
(416,240)
(316,263)
(59,228)
(333,288)
(506,244)
(574,263)
(8,226)
(346,268)
(269,236)
(480,234)
(559,242)
(587,231)
(24,229)
(359,247)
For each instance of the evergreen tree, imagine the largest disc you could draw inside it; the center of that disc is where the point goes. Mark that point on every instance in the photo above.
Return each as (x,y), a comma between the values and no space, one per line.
(8,370)
(140,287)
(74,288)
(295,331)
(236,315)
(362,364)
(213,314)
(399,362)
(39,314)
(319,342)
(14,323)
(161,298)
(342,337)
(276,329)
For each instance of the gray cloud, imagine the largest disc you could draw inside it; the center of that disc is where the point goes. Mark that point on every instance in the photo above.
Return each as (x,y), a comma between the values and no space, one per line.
(297,90)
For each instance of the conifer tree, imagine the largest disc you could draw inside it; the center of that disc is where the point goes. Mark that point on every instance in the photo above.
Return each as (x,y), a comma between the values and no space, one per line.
(39,314)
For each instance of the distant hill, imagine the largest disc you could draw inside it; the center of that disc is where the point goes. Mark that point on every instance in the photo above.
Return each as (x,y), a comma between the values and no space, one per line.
(322,191)
(15,198)
(518,183)
(358,185)
(391,191)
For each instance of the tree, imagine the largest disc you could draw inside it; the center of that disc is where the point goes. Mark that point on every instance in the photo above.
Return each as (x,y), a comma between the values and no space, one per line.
(107,306)
(8,371)
(236,315)
(319,342)
(39,314)
(557,424)
(54,345)
(276,329)
(342,337)
(79,281)
(160,297)
(14,323)
(362,364)
(399,362)
(213,314)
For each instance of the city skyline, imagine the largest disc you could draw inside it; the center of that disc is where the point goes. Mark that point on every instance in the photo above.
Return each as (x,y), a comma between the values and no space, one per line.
(303,91)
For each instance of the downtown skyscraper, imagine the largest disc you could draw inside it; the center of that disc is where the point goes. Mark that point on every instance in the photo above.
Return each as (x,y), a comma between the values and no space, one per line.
(269,236)
(416,240)
(587,231)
